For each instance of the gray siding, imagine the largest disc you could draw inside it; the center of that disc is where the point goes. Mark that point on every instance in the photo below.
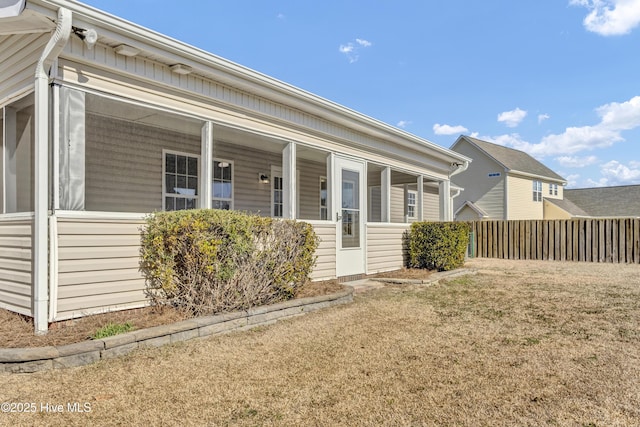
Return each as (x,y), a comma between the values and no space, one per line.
(384,247)
(124,164)
(16,265)
(397,204)
(310,173)
(98,261)
(486,192)
(431,204)
(19,54)
(326,262)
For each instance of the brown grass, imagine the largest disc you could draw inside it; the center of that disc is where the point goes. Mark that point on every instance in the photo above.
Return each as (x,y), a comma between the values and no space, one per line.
(17,331)
(521,343)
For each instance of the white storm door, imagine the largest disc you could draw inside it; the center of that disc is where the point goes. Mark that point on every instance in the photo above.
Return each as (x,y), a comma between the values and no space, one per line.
(350,245)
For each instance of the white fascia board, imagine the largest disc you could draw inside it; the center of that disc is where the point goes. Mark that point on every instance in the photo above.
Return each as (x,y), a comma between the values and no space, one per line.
(237,75)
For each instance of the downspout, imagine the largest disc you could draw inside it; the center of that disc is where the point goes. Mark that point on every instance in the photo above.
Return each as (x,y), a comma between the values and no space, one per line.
(456,168)
(41,203)
(459,190)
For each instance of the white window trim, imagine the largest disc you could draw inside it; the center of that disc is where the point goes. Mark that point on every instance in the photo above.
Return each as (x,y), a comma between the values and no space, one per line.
(415,205)
(233,184)
(536,189)
(164,178)
(277,171)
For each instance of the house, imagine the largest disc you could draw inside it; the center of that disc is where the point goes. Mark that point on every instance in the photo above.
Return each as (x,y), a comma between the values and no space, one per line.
(619,201)
(503,183)
(104,121)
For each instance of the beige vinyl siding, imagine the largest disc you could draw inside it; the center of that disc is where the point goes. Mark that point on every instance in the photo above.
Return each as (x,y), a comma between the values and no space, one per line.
(484,191)
(1,163)
(19,54)
(431,204)
(124,163)
(98,262)
(384,247)
(467,214)
(248,193)
(325,267)
(309,188)
(552,211)
(397,204)
(520,199)
(16,264)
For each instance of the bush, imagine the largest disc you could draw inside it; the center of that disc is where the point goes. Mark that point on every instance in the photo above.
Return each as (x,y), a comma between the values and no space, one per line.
(438,245)
(208,261)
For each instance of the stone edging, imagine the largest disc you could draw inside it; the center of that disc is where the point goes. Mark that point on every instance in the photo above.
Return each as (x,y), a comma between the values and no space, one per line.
(36,359)
(431,280)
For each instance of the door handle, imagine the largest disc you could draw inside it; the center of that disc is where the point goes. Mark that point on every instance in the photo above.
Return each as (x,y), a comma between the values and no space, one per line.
(338,216)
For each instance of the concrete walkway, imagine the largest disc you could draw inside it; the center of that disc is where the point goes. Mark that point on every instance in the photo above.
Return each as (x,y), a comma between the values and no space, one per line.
(368,284)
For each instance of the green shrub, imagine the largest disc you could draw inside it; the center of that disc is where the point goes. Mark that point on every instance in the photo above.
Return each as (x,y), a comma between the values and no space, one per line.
(207,261)
(438,245)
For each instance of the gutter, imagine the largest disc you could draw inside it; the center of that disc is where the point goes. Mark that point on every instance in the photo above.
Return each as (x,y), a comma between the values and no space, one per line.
(51,51)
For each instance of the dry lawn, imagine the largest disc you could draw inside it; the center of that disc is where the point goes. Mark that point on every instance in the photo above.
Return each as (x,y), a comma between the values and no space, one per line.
(521,343)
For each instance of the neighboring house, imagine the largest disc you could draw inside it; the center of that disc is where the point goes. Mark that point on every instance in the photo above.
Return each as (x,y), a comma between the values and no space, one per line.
(105,121)
(620,202)
(503,183)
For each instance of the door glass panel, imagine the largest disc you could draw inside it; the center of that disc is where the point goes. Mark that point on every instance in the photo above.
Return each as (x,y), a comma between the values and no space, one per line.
(350,209)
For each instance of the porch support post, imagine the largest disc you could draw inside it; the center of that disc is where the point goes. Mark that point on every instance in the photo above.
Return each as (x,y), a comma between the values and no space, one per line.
(10,192)
(331,188)
(41,165)
(445,201)
(206,162)
(420,198)
(289,183)
(385,195)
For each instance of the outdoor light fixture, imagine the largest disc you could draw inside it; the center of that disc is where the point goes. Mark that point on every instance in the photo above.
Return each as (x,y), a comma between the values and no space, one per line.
(263,178)
(181,69)
(223,165)
(90,36)
(126,50)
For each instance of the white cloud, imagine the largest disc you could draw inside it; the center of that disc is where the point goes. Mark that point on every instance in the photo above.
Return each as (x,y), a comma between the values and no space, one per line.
(403,123)
(610,17)
(543,117)
(572,179)
(439,129)
(351,49)
(576,162)
(616,173)
(512,118)
(281,16)
(614,118)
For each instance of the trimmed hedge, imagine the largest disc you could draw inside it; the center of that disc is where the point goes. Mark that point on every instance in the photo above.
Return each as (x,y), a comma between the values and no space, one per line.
(207,261)
(438,245)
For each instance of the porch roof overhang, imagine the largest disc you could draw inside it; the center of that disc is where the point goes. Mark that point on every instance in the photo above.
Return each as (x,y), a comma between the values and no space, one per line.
(40,15)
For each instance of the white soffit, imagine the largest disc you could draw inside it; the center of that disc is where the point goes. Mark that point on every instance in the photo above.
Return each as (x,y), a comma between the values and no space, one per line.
(15,19)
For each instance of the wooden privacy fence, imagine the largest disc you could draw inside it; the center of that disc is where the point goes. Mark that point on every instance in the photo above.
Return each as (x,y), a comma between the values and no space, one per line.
(594,240)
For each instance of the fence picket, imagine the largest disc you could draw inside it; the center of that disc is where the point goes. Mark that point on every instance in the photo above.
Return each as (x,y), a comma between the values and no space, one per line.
(592,240)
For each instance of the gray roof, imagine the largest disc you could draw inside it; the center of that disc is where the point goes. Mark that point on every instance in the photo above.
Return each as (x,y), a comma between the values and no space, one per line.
(621,201)
(512,159)
(567,206)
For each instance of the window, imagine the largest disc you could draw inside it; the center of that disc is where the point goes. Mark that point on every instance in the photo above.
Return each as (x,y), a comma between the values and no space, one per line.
(278,202)
(537,191)
(180,185)
(412,196)
(324,214)
(555,189)
(493,174)
(222,188)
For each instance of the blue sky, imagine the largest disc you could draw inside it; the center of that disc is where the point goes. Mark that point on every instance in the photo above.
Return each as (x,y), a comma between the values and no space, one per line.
(559,79)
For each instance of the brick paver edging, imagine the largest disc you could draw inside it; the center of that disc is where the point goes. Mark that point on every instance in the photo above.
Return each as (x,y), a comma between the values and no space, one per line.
(36,359)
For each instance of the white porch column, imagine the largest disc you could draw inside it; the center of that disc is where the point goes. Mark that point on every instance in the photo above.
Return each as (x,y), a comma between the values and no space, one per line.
(289,183)
(406,206)
(9,167)
(420,198)
(206,165)
(385,195)
(446,213)
(331,190)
